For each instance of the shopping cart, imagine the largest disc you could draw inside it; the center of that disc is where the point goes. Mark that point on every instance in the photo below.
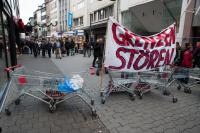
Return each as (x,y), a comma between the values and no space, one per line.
(51,89)
(186,78)
(160,80)
(118,82)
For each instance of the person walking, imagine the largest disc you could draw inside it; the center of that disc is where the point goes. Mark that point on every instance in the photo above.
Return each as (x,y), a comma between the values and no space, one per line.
(76,48)
(187,61)
(43,47)
(89,48)
(67,46)
(85,47)
(179,53)
(100,55)
(58,49)
(39,47)
(35,49)
(95,53)
(49,47)
(72,50)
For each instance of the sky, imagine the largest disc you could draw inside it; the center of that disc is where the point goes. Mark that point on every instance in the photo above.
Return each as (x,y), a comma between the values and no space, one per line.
(27,7)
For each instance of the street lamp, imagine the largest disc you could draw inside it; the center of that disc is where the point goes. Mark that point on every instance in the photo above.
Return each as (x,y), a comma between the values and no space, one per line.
(90,27)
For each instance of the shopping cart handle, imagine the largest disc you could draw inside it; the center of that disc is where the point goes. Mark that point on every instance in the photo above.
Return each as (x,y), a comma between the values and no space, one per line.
(8,69)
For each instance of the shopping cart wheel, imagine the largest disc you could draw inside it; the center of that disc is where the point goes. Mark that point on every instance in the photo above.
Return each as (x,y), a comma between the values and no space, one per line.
(94,112)
(101,94)
(92,102)
(7,111)
(166,93)
(140,95)
(52,108)
(103,100)
(17,101)
(189,91)
(132,96)
(174,100)
(179,87)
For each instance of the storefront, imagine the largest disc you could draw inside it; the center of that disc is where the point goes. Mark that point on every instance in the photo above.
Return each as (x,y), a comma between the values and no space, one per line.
(8,9)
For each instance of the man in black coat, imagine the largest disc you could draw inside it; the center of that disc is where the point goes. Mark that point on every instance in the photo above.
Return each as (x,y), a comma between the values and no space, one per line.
(96,52)
(67,46)
(35,48)
(100,47)
(49,47)
(43,47)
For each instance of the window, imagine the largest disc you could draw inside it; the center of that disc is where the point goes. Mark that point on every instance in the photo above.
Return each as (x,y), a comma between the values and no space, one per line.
(80,5)
(43,10)
(81,20)
(91,17)
(43,17)
(95,16)
(102,13)
(74,7)
(78,21)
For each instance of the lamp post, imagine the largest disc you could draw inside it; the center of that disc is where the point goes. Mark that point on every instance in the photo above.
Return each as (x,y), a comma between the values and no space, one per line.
(90,37)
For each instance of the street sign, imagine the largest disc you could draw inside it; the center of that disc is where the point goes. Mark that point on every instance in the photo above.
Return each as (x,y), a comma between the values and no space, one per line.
(69,19)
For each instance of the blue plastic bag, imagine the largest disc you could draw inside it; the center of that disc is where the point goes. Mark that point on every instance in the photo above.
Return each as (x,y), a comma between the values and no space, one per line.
(65,87)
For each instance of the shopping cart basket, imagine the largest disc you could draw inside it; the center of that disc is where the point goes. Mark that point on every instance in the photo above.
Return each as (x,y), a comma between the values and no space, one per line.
(118,82)
(51,89)
(186,78)
(161,80)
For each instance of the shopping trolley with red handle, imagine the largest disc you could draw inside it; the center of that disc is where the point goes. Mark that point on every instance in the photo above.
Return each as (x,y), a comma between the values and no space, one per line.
(49,88)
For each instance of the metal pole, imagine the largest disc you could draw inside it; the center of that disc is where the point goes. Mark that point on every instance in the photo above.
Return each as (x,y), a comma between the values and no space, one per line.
(90,28)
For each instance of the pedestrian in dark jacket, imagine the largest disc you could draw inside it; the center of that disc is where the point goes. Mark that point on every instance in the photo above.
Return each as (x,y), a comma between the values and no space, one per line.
(85,48)
(100,55)
(49,47)
(67,46)
(196,56)
(96,48)
(179,53)
(43,47)
(35,48)
(72,48)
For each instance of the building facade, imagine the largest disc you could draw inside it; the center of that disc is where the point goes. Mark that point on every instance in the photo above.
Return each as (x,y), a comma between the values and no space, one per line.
(62,21)
(92,16)
(9,36)
(40,17)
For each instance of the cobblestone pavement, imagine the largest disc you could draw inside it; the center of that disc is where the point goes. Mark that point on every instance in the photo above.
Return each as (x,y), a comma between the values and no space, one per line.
(155,113)
(32,116)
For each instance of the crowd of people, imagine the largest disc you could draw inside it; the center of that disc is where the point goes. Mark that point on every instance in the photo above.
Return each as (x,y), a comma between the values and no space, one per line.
(62,47)
(47,47)
(187,58)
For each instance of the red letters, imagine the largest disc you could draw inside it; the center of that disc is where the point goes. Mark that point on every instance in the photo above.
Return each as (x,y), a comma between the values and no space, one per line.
(123,61)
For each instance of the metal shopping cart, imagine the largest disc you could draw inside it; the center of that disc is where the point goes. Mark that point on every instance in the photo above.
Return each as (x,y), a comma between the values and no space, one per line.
(161,80)
(186,78)
(118,82)
(51,89)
